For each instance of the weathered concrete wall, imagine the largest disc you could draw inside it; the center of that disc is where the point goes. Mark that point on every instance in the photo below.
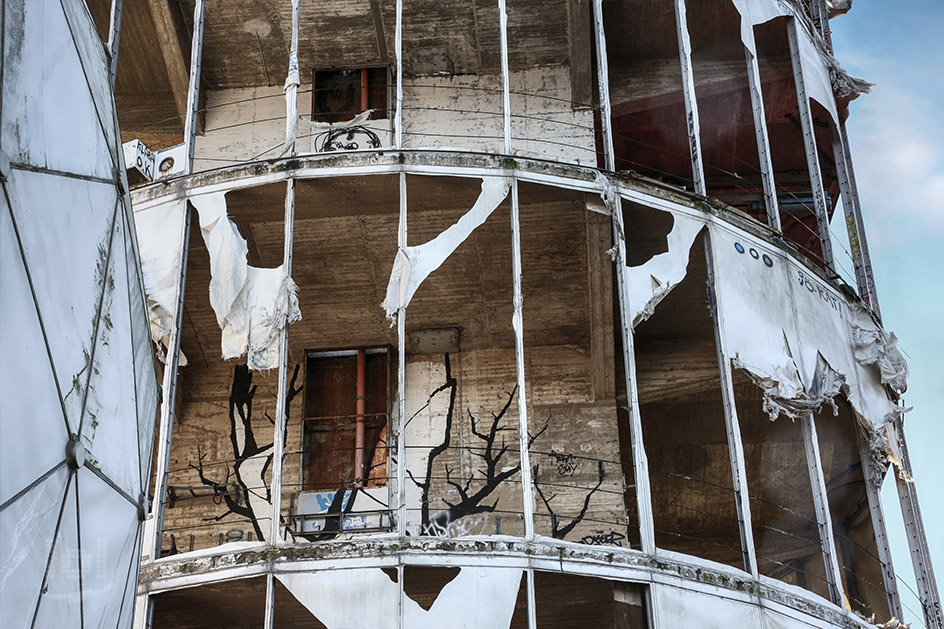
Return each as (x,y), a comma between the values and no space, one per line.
(438,111)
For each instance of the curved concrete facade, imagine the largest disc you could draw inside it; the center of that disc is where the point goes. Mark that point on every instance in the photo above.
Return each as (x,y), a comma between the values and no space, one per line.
(557,334)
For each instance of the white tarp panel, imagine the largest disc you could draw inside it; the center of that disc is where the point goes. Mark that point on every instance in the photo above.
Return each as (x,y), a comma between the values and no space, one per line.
(249,302)
(33,418)
(28,527)
(46,92)
(109,423)
(790,329)
(414,264)
(60,604)
(649,283)
(477,598)
(71,250)
(109,528)
(145,372)
(159,229)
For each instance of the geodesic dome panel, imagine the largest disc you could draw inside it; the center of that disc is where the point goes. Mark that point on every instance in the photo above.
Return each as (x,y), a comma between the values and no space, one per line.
(77,381)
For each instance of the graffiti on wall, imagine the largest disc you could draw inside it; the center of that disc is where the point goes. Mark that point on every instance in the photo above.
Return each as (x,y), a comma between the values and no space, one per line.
(244,490)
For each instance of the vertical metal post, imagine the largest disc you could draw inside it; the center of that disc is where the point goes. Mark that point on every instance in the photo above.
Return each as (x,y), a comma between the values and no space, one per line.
(732,425)
(527,497)
(917,538)
(269,620)
(821,507)
(760,130)
(688,92)
(278,441)
(401,375)
(812,154)
(873,483)
(168,399)
(114,37)
(398,51)
(858,245)
(640,462)
(193,91)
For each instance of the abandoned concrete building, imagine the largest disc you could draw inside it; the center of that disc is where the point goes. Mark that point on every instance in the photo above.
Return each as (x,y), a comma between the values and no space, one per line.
(507,313)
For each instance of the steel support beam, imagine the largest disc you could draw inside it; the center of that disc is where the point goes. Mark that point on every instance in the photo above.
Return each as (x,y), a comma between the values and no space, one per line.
(812,154)
(398,52)
(824,521)
(114,38)
(873,484)
(688,92)
(917,538)
(732,425)
(640,462)
(763,141)
(858,245)
(193,89)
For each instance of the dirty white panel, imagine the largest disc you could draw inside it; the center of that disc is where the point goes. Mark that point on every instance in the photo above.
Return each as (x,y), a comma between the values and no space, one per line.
(28,526)
(478,598)
(60,603)
(65,227)
(49,115)
(819,86)
(109,525)
(336,597)
(109,423)
(414,264)
(158,231)
(32,412)
(782,323)
(648,283)
(145,373)
(677,607)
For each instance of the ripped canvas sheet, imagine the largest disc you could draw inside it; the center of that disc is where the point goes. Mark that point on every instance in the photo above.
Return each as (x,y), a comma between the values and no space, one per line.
(475,598)
(414,264)
(159,230)
(648,284)
(250,303)
(795,334)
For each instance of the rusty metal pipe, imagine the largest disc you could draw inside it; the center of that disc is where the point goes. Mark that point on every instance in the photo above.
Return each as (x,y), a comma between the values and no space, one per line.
(360,410)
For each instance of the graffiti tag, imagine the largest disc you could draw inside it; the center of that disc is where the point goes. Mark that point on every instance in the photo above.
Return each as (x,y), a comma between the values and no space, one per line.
(603,538)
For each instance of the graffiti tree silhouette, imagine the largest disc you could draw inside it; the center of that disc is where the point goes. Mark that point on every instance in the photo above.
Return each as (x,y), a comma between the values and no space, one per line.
(491,452)
(558,531)
(250,460)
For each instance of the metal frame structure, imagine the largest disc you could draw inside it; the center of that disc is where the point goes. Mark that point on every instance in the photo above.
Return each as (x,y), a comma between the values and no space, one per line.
(613,189)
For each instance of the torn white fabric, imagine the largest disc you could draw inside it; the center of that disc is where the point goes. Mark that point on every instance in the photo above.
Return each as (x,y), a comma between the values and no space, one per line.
(252,305)
(475,598)
(414,264)
(359,119)
(774,312)
(755,12)
(158,229)
(873,346)
(649,283)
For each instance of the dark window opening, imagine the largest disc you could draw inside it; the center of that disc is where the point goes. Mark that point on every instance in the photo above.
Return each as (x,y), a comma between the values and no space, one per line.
(330,434)
(339,95)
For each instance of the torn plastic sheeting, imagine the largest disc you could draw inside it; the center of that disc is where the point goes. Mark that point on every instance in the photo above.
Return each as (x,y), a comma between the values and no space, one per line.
(158,229)
(414,264)
(476,597)
(359,119)
(252,305)
(873,346)
(650,282)
(775,313)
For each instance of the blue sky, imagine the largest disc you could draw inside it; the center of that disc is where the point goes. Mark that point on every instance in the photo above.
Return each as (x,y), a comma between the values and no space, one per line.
(897,133)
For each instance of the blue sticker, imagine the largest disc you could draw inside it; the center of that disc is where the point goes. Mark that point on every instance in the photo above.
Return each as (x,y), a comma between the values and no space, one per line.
(739,247)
